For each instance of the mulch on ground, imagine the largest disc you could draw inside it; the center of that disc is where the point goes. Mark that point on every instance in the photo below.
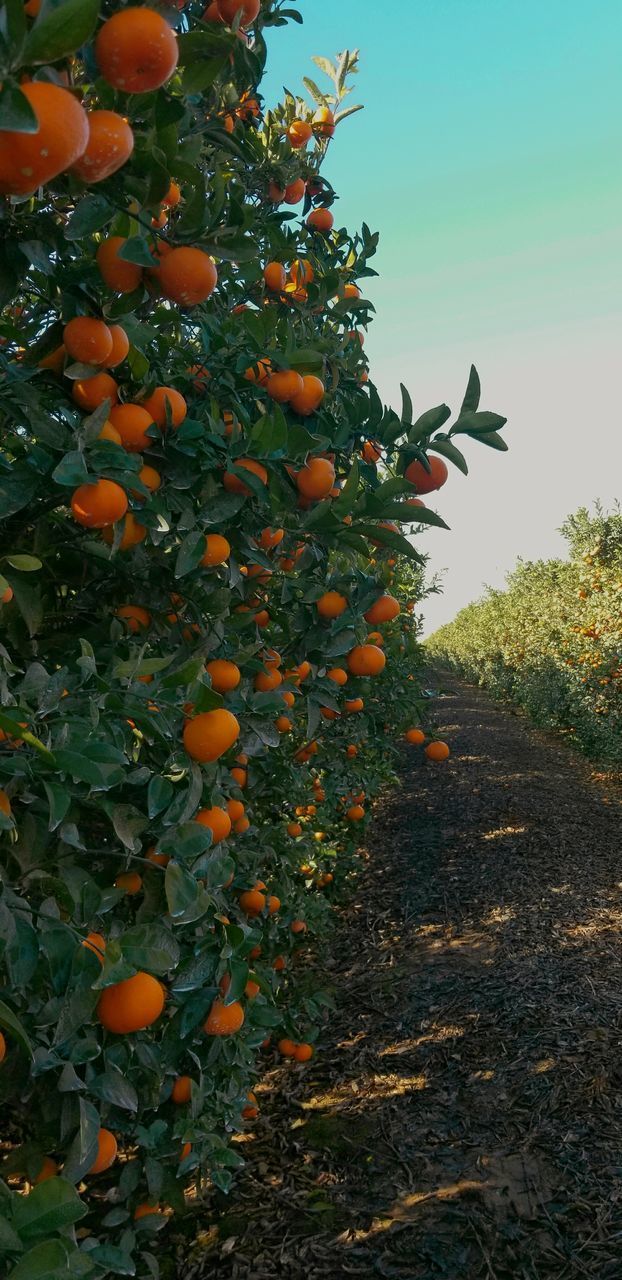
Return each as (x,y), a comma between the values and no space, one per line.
(463,1117)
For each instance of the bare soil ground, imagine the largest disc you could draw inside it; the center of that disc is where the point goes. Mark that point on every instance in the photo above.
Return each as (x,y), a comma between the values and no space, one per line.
(463,1118)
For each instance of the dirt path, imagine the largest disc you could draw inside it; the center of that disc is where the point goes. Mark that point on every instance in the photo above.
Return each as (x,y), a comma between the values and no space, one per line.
(464,1117)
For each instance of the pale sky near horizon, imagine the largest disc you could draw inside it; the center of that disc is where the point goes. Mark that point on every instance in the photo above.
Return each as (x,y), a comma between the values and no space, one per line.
(488,157)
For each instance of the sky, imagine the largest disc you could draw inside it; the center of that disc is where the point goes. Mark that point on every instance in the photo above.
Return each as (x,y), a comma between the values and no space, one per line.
(488,156)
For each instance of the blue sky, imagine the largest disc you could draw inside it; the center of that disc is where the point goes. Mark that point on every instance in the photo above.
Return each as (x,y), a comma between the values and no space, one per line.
(488,157)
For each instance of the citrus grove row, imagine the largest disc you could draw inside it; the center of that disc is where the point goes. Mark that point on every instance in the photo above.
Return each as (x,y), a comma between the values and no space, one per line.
(551,640)
(207,632)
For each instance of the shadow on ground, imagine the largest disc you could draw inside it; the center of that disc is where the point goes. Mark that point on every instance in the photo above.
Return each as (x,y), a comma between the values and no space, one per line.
(463,1117)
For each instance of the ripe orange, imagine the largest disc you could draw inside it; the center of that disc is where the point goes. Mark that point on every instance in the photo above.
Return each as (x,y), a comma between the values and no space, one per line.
(288,698)
(224,675)
(144,1211)
(274,904)
(172,197)
(29,160)
(265,681)
(303,1052)
(437,751)
(217,820)
(98,504)
(371,452)
(298,926)
(240,777)
(136,51)
(131,1005)
(309,398)
(251,1111)
(217,550)
(235,809)
(233,484)
(55,360)
(316,478)
(187,276)
(2,1047)
(383,610)
(259,372)
(284,385)
(224,1019)
(338,675)
(350,290)
(158,859)
(229,9)
(427,481)
(120,346)
(324,122)
(241,826)
(182,1090)
(270,538)
(294,191)
(96,943)
(321,220)
(274,276)
(366,660)
(49,1169)
(150,478)
(331,605)
(356,813)
(119,275)
(286,1048)
(283,724)
(110,145)
(416,736)
(294,829)
(301,271)
(351,751)
(211,733)
(252,902)
(132,422)
(156,406)
(375,637)
(5,804)
(89,393)
(185,1151)
(299,133)
(106,1152)
(133,533)
(130,881)
(87,340)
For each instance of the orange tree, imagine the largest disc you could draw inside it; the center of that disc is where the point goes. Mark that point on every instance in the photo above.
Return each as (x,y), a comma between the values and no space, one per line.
(207,600)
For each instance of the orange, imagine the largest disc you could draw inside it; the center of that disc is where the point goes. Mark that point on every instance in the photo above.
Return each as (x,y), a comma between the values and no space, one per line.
(144,1210)
(286,1048)
(324,122)
(5,804)
(366,660)
(356,813)
(427,481)
(351,705)
(437,751)
(133,533)
(122,276)
(351,751)
(120,346)
(275,193)
(130,881)
(278,964)
(158,859)
(187,276)
(241,826)
(259,372)
(288,699)
(132,422)
(224,675)
(49,1169)
(96,943)
(338,675)
(375,637)
(217,820)
(309,398)
(251,1111)
(156,406)
(211,733)
(29,160)
(299,133)
(383,610)
(303,1052)
(416,736)
(229,10)
(304,669)
(274,276)
(110,145)
(266,680)
(87,340)
(217,550)
(233,484)
(185,1151)
(283,724)
(235,809)
(224,1019)
(316,478)
(182,1090)
(350,290)
(301,271)
(321,220)
(98,504)
(274,904)
(331,605)
(54,361)
(270,538)
(294,829)
(294,191)
(371,452)
(298,926)
(252,902)
(240,777)
(2,1047)
(89,393)
(284,385)
(131,1005)
(106,1152)
(150,478)
(136,51)
(172,197)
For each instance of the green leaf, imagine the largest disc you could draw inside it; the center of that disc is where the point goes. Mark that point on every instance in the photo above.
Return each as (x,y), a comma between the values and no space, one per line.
(59,801)
(113,1260)
(71,470)
(27,564)
(478,422)
(269,435)
(449,451)
(185,841)
(185,675)
(159,795)
(345,503)
(472,393)
(396,541)
(429,421)
(47,1261)
(493,441)
(83,1150)
(317,95)
(13,1025)
(136,249)
(58,32)
(51,1206)
(407,406)
(349,111)
(180,887)
(151,947)
(92,213)
(114,1087)
(190,553)
(16,112)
